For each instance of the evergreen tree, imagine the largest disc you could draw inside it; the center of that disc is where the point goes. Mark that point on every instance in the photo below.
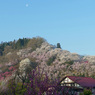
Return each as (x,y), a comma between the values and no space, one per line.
(58,45)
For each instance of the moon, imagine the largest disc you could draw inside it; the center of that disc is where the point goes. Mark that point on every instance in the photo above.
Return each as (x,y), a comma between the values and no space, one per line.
(27,5)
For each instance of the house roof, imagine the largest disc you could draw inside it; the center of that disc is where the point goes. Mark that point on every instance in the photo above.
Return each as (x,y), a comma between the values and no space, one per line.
(83,81)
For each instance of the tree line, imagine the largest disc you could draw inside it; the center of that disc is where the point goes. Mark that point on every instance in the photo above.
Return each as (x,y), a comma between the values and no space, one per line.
(6,47)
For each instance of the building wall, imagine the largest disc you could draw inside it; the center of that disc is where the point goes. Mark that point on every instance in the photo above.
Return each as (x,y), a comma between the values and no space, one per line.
(69,82)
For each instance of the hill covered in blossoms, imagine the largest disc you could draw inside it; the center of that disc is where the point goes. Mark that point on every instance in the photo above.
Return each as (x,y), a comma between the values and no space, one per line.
(27,54)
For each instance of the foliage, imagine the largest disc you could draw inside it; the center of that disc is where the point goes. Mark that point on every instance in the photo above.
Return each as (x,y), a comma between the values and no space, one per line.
(38,84)
(69,62)
(6,47)
(50,60)
(58,45)
(47,54)
(35,43)
(34,64)
(21,43)
(16,89)
(87,92)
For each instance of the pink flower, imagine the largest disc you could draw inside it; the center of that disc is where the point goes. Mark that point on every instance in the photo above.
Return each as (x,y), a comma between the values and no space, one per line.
(11,68)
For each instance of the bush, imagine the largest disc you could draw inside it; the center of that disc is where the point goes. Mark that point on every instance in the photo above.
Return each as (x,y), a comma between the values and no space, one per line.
(15,89)
(87,92)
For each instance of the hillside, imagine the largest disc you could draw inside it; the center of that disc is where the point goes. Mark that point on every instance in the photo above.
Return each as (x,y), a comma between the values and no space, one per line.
(37,52)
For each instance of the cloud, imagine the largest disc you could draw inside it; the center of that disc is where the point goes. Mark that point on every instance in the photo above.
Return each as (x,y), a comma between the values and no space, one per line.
(27,5)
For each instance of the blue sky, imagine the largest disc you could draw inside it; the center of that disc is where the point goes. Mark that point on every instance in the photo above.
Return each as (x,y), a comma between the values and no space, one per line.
(68,22)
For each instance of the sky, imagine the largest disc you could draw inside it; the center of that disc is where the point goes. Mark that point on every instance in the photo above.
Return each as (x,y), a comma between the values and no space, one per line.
(68,22)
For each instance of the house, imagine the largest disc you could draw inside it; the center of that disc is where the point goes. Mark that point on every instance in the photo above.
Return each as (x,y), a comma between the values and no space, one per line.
(77,84)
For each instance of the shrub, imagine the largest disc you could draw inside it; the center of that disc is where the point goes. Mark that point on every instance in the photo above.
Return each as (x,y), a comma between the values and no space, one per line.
(15,89)
(87,92)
